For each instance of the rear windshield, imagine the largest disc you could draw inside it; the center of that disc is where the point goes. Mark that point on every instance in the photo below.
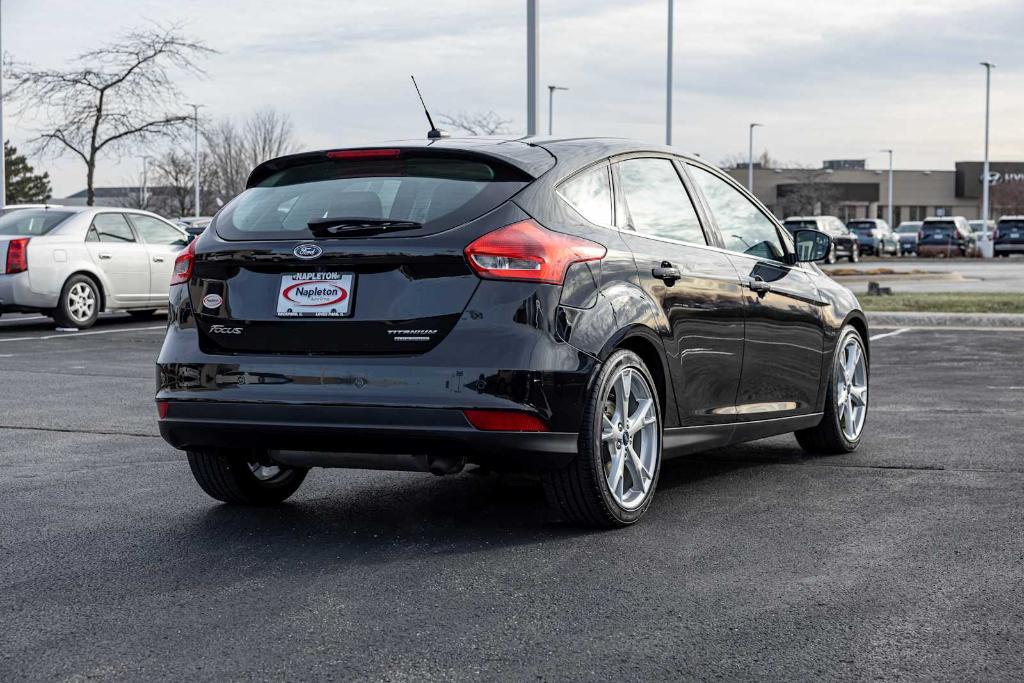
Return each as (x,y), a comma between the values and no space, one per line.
(857,227)
(339,198)
(1012,225)
(31,222)
(908,227)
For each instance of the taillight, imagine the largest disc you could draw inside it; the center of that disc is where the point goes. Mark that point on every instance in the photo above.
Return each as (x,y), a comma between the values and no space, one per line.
(182,272)
(526,251)
(504,421)
(161,409)
(17,255)
(920,235)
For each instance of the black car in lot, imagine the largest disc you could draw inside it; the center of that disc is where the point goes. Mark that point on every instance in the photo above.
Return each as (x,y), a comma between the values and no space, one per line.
(1009,236)
(844,243)
(585,308)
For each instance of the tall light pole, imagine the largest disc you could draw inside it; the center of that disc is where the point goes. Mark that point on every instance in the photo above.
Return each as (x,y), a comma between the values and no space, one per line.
(668,75)
(984,171)
(195,149)
(551,105)
(888,212)
(3,161)
(144,190)
(532,67)
(750,159)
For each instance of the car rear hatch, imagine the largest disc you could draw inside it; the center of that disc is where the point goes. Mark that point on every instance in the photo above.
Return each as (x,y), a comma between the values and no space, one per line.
(349,252)
(1010,232)
(938,232)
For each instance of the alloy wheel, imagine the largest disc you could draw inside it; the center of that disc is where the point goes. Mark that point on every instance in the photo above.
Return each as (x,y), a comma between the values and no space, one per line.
(81,302)
(852,389)
(265,473)
(630,446)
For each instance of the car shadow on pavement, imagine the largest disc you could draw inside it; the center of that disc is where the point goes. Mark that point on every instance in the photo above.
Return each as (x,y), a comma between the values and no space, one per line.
(378,517)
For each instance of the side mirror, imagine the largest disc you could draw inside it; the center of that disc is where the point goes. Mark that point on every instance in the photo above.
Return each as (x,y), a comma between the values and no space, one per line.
(811,245)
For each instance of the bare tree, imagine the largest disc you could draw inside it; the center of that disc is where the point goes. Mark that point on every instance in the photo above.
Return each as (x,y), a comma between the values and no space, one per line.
(764,159)
(809,192)
(477,122)
(233,151)
(1008,199)
(115,96)
(175,174)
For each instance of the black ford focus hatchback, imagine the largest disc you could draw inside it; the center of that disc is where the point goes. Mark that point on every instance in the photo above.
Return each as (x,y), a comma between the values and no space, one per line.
(584,308)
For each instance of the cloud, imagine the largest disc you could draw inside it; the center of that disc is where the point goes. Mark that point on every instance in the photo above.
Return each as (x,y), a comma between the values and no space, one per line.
(828,77)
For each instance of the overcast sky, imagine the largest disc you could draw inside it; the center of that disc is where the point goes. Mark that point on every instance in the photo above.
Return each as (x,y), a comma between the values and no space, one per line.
(827,78)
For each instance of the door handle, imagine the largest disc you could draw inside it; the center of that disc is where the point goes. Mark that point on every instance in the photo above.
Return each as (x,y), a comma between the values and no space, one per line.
(759,286)
(105,256)
(158,259)
(667,272)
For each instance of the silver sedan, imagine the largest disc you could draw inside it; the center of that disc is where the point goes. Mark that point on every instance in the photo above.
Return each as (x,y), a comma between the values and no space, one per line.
(72,262)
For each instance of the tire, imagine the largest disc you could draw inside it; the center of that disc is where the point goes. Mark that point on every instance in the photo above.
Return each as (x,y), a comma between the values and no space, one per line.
(142,315)
(237,477)
(79,303)
(830,437)
(831,258)
(854,254)
(581,492)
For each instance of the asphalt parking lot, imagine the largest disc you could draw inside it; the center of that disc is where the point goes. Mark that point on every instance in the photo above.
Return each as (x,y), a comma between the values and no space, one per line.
(903,560)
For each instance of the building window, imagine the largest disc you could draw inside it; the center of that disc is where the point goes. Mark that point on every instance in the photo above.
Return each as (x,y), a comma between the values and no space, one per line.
(943,210)
(917,213)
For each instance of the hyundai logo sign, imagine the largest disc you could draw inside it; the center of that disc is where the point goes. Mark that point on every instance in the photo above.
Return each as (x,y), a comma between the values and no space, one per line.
(308,251)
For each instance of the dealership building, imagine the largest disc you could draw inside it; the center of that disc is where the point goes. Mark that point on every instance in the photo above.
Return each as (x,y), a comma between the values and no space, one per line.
(848,189)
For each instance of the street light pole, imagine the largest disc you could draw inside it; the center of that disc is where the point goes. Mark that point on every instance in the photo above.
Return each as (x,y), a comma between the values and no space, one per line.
(3,160)
(195,150)
(750,159)
(144,190)
(985,170)
(551,105)
(888,213)
(532,67)
(668,75)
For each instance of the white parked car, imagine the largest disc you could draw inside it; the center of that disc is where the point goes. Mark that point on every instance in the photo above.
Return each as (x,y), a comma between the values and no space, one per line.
(72,262)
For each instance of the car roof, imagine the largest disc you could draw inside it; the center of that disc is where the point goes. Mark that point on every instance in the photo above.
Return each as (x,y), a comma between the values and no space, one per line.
(1010,218)
(534,155)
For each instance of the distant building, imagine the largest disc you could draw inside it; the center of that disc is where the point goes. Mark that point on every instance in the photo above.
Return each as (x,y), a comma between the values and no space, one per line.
(848,189)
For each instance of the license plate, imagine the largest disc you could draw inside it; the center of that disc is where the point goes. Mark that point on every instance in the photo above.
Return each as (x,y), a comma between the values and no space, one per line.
(315,295)
(1014,235)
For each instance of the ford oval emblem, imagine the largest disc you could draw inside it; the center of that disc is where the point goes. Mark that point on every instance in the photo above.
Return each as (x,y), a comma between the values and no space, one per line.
(307,251)
(212,301)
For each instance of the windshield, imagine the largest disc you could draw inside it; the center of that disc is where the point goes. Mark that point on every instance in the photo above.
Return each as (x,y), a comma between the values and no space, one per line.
(859,227)
(338,197)
(31,222)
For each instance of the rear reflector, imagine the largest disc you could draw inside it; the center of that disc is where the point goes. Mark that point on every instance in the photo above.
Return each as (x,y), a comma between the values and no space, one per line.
(504,421)
(17,255)
(526,251)
(364,154)
(161,408)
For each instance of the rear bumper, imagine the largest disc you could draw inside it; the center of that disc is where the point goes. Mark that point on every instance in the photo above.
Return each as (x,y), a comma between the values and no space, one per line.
(374,431)
(17,296)
(1011,247)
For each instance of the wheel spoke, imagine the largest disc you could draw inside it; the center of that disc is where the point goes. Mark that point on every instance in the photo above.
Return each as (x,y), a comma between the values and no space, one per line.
(625,387)
(641,477)
(608,429)
(859,395)
(851,427)
(615,474)
(642,416)
(853,358)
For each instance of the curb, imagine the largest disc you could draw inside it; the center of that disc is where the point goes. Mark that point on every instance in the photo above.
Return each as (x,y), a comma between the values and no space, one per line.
(909,319)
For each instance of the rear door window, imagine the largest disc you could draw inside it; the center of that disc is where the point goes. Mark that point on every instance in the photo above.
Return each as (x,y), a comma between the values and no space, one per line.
(155,231)
(656,200)
(112,227)
(407,195)
(590,193)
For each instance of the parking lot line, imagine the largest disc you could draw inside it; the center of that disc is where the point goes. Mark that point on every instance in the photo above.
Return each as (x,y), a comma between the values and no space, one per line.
(889,334)
(69,335)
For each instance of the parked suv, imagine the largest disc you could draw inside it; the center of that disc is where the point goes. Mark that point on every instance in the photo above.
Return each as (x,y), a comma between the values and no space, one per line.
(874,236)
(944,236)
(581,307)
(1009,236)
(907,234)
(72,262)
(844,243)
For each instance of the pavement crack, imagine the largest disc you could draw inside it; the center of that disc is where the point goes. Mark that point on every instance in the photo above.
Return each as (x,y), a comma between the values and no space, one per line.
(102,432)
